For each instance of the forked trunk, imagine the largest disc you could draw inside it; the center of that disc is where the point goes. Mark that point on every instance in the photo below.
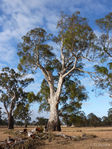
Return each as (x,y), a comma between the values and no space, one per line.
(10,122)
(54,122)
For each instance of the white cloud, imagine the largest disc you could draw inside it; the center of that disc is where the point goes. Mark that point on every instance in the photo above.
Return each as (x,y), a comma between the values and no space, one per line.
(18,17)
(7,54)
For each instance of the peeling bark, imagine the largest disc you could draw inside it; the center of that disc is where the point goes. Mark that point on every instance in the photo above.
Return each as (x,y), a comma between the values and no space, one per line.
(54,122)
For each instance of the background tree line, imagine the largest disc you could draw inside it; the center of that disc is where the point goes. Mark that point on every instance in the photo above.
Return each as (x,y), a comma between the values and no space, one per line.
(78,120)
(91,120)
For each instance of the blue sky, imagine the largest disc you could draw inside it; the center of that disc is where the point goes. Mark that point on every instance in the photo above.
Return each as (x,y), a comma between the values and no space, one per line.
(19,16)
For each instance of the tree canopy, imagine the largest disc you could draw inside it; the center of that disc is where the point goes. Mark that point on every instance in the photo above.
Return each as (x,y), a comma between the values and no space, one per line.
(104,47)
(75,43)
(71,98)
(12,93)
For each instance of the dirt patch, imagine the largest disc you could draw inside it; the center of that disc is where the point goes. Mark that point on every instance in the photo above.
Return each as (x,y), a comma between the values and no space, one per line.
(70,138)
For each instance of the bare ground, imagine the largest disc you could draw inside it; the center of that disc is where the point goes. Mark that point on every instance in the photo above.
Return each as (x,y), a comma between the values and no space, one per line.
(102,141)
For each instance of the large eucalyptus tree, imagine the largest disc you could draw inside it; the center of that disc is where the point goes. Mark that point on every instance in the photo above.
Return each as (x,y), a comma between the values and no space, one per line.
(57,56)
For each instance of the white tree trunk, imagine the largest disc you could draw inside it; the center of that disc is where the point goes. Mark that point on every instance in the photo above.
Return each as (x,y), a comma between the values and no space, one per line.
(54,123)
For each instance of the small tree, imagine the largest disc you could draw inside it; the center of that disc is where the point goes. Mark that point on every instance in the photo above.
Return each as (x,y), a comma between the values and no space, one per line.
(78,119)
(110,116)
(74,41)
(105,121)
(42,121)
(93,120)
(12,91)
(22,112)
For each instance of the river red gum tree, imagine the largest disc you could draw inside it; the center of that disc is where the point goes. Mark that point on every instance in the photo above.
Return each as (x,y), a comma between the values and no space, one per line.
(74,41)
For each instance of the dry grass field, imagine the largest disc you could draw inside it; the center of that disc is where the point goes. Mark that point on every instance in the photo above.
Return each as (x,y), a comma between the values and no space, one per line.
(102,141)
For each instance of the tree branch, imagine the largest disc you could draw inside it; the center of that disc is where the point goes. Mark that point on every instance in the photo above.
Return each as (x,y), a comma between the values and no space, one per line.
(89,73)
(73,68)
(108,44)
(47,74)
(44,71)
(12,102)
(6,108)
(62,57)
(64,70)
(48,77)
(41,67)
(107,52)
(51,83)
(83,57)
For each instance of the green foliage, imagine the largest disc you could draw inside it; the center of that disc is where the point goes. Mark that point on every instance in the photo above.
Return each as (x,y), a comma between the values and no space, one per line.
(104,52)
(43,95)
(12,93)
(3,121)
(22,112)
(104,78)
(102,70)
(79,119)
(37,46)
(71,98)
(105,23)
(34,45)
(60,56)
(110,65)
(93,120)
(77,34)
(41,121)
(31,97)
(110,117)
(104,40)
